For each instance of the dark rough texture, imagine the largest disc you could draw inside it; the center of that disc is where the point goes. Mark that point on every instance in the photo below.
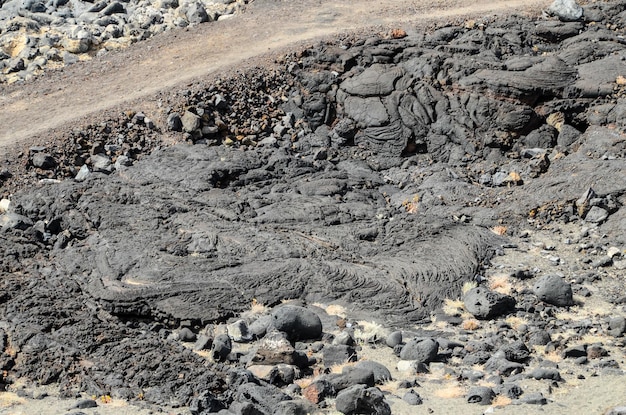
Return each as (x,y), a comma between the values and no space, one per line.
(545,373)
(516,352)
(351,376)
(360,399)
(318,390)
(553,289)
(298,322)
(337,354)
(226,248)
(510,390)
(486,304)
(380,372)
(264,398)
(288,189)
(482,395)
(422,350)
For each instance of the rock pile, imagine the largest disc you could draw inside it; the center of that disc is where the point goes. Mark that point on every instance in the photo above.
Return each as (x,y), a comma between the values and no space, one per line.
(102,148)
(36,35)
(379,174)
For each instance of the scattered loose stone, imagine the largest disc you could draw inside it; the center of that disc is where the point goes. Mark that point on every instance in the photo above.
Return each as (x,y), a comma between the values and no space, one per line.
(238,331)
(319,390)
(190,121)
(203,342)
(566,10)
(596,215)
(84,404)
(350,376)
(394,339)
(298,322)
(174,122)
(534,398)
(337,354)
(380,372)
(186,335)
(575,351)
(617,326)
(77,31)
(510,390)
(553,289)
(360,399)
(545,373)
(221,347)
(275,348)
(420,350)
(412,398)
(43,161)
(15,221)
(486,304)
(349,199)
(482,395)
(4,205)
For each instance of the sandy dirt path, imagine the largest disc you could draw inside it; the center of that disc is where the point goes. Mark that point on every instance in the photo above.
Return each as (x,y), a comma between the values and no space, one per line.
(178,57)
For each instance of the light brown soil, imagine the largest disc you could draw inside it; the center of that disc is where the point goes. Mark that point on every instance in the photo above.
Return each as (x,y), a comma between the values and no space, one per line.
(134,76)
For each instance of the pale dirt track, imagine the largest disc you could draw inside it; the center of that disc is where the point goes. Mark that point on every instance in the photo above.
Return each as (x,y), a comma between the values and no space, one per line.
(173,59)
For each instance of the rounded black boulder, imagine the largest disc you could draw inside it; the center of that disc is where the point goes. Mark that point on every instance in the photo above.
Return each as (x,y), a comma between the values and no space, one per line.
(553,289)
(486,304)
(221,347)
(380,371)
(297,322)
(360,399)
(482,395)
(423,350)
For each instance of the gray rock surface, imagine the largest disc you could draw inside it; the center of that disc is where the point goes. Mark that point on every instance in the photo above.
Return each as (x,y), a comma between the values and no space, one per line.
(553,289)
(386,213)
(48,33)
(43,161)
(596,215)
(360,399)
(338,354)
(298,323)
(380,372)
(482,395)
(566,10)
(485,304)
(412,398)
(419,349)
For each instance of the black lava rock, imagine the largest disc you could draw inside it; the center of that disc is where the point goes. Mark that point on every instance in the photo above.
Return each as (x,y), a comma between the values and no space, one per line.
(298,322)
(486,304)
(221,347)
(205,403)
(482,395)
(361,399)
(420,349)
(336,354)
(379,371)
(351,376)
(43,161)
(553,289)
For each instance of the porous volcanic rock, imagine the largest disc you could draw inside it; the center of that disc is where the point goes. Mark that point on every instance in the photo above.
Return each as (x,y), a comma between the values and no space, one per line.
(380,174)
